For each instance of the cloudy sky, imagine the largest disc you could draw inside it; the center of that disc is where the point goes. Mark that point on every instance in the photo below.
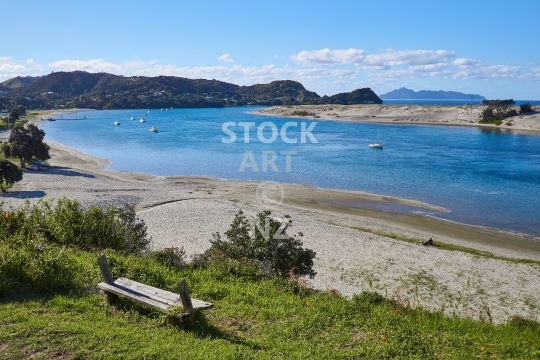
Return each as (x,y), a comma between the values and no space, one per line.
(474,46)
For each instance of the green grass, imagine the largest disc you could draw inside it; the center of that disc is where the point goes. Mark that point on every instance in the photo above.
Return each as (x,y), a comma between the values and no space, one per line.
(269,318)
(50,306)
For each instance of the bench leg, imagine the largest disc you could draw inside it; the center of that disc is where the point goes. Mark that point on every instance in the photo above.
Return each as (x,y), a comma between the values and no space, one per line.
(112,299)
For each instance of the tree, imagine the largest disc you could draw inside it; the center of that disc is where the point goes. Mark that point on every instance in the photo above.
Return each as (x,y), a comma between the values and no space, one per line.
(6,149)
(26,143)
(16,112)
(9,174)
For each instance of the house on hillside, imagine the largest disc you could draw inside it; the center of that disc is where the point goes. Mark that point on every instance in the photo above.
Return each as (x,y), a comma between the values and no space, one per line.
(158,94)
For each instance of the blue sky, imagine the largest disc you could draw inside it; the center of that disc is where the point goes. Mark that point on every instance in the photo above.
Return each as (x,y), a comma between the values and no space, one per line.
(484,47)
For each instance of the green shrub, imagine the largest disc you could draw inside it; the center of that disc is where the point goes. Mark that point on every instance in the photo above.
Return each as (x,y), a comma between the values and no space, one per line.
(525,108)
(67,223)
(30,261)
(173,257)
(265,240)
(302,113)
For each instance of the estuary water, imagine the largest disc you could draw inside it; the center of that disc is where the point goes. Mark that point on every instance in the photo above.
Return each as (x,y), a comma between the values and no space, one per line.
(484,177)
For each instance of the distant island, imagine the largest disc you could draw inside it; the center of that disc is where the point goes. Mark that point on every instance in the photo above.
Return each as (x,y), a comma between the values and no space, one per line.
(80,89)
(408,94)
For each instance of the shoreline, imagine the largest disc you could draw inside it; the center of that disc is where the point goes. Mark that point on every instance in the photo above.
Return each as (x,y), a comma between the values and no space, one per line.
(357,249)
(394,114)
(335,201)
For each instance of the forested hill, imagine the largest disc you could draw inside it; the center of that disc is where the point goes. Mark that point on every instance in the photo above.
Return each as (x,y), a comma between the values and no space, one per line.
(81,89)
(408,94)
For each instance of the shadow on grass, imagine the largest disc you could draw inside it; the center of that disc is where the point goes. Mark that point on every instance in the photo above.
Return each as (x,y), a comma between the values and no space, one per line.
(197,324)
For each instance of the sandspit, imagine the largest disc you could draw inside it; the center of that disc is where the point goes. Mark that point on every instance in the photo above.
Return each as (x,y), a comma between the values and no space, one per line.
(458,115)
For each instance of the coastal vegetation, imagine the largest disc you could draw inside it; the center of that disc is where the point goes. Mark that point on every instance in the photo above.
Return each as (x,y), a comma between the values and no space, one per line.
(497,111)
(525,108)
(50,308)
(79,89)
(264,242)
(26,143)
(9,174)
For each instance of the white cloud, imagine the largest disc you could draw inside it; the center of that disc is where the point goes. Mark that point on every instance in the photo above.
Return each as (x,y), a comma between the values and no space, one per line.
(490,72)
(10,67)
(341,73)
(96,65)
(466,62)
(387,59)
(30,61)
(417,71)
(329,57)
(408,57)
(225,58)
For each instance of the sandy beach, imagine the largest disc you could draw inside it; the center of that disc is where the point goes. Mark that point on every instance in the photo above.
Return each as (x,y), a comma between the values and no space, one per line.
(462,115)
(185,211)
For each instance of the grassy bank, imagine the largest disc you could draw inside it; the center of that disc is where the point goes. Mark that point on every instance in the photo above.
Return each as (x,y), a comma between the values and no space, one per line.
(50,308)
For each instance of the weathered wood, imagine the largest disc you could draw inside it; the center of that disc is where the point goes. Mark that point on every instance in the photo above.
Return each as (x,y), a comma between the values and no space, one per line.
(134,296)
(149,296)
(165,296)
(184,296)
(105,271)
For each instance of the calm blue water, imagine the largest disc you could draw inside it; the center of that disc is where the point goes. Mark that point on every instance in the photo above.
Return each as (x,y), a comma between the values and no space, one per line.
(449,102)
(485,177)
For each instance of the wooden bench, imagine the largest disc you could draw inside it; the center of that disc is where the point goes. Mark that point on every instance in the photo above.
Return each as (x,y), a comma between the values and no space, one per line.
(154,298)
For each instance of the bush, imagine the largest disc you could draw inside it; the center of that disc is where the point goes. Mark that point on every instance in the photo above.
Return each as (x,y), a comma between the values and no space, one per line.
(67,223)
(32,261)
(525,108)
(302,113)
(173,257)
(264,240)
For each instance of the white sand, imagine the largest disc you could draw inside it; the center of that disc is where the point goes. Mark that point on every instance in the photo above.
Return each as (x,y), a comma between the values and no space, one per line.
(462,115)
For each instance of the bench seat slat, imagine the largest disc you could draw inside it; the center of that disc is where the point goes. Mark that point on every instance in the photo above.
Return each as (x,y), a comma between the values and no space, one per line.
(160,295)
(134,296)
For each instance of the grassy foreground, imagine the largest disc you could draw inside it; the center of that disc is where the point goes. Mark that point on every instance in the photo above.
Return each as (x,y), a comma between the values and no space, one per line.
(50,308)
(270,318)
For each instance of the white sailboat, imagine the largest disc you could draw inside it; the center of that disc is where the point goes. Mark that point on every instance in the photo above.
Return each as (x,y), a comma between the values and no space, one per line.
(117,122)
(378,144)
(153,129)
(142,120)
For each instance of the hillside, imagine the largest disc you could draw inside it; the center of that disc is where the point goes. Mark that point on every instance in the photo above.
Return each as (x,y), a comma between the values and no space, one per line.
(108,91)
(18,82)
(408,94)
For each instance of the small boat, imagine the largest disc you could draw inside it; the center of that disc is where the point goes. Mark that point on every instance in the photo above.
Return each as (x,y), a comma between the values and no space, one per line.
(142,120)
(161,109)
(153,129)
(376,145)
(132,118)
(117,122)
